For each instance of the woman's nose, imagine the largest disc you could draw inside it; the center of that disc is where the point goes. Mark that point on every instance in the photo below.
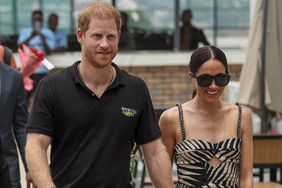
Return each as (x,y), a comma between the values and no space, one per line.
(213,85)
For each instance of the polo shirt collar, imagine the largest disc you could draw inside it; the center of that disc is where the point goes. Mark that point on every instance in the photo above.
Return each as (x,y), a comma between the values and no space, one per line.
(119,80)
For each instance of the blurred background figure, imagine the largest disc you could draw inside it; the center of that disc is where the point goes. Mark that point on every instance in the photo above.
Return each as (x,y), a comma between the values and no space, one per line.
(13,117)
(61,40)
(39,37)
(190,36)
(6,56)
(127,41)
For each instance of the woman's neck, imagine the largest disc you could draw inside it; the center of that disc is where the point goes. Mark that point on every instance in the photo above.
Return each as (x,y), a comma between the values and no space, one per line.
(207,107)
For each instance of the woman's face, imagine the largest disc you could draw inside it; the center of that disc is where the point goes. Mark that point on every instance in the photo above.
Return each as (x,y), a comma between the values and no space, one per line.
(211,92)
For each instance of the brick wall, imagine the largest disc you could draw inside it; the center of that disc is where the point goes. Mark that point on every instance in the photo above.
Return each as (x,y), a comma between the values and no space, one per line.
(169,85)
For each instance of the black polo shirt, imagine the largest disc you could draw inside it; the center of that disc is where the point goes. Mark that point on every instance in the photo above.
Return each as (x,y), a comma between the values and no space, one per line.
(92,138)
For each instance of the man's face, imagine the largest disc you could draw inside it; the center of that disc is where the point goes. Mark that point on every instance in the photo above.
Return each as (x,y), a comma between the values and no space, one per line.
(186,18)
(52,22)
(100,42)
(37,20)
(37,17)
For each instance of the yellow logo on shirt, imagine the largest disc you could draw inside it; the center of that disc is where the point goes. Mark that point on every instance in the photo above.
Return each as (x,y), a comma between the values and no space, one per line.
(128,112)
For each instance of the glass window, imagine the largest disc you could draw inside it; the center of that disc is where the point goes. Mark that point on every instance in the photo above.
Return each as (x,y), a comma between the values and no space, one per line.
(157,15)
(24,12)
(6,18)
(63,9)
(146,17)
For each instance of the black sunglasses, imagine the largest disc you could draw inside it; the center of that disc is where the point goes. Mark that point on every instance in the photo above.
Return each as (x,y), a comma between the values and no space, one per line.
(205,80)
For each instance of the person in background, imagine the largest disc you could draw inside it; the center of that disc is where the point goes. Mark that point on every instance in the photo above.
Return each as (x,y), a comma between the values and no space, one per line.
(211,140)
(13,118)
(61,39)
(127,41)
(7,57)
(190,36)
(39,37)
(92,136)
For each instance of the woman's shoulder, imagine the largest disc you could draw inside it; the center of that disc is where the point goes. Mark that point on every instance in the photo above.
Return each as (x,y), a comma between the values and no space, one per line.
(246,115)
(169,121)
(236,107)
(170,114)
(243,112)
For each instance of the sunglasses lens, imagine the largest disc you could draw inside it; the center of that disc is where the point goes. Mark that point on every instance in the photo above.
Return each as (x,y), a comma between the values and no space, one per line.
(222,79)
(204,80)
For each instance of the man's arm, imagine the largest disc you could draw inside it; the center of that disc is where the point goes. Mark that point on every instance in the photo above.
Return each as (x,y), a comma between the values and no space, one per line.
(37,160)
(158,164)
(203,38)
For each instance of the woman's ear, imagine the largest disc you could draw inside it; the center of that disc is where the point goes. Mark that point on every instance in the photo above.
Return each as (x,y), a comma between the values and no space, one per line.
(190,74)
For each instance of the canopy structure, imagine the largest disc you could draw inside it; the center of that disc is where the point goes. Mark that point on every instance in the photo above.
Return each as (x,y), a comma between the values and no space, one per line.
(261,76)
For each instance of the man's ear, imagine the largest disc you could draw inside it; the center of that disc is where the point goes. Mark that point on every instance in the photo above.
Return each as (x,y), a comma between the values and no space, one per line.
(79,35)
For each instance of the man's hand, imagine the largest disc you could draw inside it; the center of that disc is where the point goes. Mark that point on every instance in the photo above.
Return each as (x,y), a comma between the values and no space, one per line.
(29,182)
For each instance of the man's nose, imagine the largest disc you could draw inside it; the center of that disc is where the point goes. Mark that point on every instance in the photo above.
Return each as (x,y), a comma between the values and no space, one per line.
(104,42)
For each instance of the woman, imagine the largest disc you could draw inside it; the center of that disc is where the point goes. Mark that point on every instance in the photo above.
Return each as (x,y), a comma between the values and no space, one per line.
(210,140)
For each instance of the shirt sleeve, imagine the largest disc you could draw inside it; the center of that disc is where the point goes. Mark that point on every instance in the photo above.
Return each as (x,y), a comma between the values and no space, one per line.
(63,40)
(41,119)
(203,38)
(49,37)
(148,129)
(24,34)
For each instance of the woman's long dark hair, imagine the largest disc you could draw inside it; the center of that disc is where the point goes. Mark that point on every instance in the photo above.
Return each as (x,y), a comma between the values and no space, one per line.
(205,53)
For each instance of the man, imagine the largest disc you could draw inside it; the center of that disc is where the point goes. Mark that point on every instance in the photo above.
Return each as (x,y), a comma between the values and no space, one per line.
(190,36)
(13,117)
(4,170)
(92,113)
(61,40)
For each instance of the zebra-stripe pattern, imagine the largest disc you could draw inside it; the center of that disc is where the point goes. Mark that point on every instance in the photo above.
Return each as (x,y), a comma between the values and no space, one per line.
(192,160)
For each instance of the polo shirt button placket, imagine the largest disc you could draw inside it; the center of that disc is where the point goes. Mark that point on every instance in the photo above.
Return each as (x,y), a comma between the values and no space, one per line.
(93,94)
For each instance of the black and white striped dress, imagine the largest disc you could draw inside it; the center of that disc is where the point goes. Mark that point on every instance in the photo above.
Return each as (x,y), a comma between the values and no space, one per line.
(192,157)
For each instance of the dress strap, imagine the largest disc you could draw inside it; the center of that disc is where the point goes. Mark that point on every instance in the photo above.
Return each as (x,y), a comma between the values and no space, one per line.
(181,121)
(239,120)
